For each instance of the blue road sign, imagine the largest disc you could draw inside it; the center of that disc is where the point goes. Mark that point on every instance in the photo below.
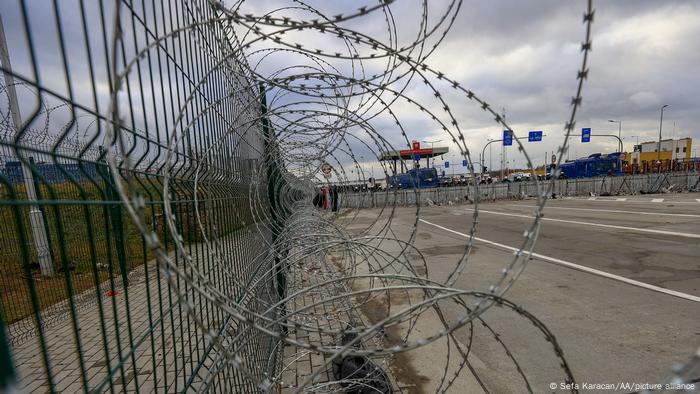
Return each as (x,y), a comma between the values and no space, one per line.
(507,138)
(586,134)
(447,164)
(416,157)
(465,163)
(534,136)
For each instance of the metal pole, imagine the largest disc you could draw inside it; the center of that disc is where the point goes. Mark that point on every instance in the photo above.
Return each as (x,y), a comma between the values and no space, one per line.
(503,157)
(503,147)
(483,151)
(661,123)
(673,136)
(483,154)
(619,133)
(36,217)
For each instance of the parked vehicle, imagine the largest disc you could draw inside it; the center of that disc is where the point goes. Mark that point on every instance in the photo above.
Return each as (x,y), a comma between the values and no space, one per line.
(417,177)
(520,177)
(445,181)
(596,164)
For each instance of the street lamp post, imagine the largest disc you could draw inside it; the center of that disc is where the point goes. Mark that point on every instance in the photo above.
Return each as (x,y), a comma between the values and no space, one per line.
(490,155)
(503,147)
(661,123)
(619,131)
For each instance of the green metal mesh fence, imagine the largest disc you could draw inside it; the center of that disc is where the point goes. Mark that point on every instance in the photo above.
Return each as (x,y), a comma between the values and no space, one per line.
(84,303)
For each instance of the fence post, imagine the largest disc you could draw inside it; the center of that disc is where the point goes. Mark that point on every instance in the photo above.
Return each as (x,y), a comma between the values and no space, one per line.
(273,173)
(115,216)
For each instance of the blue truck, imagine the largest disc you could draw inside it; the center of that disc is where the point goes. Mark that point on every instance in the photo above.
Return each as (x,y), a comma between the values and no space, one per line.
(421,178)
(597,164)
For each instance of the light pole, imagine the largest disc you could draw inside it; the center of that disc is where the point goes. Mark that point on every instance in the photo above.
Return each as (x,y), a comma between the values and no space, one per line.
(490,156)
(40,237)
(661,124)
(503,147)
(619,131)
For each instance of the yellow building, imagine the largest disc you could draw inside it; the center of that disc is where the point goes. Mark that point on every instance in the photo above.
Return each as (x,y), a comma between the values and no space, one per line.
(671,149)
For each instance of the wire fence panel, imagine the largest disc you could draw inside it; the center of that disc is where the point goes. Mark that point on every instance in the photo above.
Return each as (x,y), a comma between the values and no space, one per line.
(73,265)
(174,202)
(601,186)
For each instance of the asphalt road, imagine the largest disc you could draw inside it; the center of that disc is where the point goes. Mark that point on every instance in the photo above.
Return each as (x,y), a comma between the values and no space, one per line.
(652,242)
(611,331)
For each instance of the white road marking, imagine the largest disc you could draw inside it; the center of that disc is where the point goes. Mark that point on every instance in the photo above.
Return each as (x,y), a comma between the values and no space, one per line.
(620,199)
(657,200)
(601,199)
(578,267)
(697,199)
(591,198)
(688,215)
(641,230)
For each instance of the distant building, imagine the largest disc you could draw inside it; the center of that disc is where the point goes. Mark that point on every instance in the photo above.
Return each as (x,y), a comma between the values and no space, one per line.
(676,150)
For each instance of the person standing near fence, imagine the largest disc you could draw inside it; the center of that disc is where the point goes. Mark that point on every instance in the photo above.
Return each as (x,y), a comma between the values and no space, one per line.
(334,198)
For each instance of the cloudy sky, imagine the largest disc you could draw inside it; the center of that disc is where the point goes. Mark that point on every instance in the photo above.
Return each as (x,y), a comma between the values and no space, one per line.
(523,56)
(520,56)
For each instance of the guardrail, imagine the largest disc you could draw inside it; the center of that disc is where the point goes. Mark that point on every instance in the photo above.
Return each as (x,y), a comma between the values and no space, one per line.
(623,185)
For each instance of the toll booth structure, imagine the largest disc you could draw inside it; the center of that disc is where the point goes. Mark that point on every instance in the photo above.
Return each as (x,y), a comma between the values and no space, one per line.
(411,154)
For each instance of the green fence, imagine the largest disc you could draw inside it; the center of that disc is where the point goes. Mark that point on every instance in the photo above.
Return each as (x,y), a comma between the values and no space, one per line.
(87,301)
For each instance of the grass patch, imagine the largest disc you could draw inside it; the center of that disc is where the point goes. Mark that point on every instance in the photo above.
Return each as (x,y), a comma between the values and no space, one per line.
(91,234)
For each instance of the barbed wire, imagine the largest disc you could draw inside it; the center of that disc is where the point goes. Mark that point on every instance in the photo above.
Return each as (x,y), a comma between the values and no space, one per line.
(306,86)
(320,112)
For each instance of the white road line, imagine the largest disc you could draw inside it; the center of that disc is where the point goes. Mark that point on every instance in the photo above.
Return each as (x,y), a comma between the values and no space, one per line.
(657,200)
(697,199)
(582,268)
(685,215)
(641,230)
(620,199)
(601,199)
